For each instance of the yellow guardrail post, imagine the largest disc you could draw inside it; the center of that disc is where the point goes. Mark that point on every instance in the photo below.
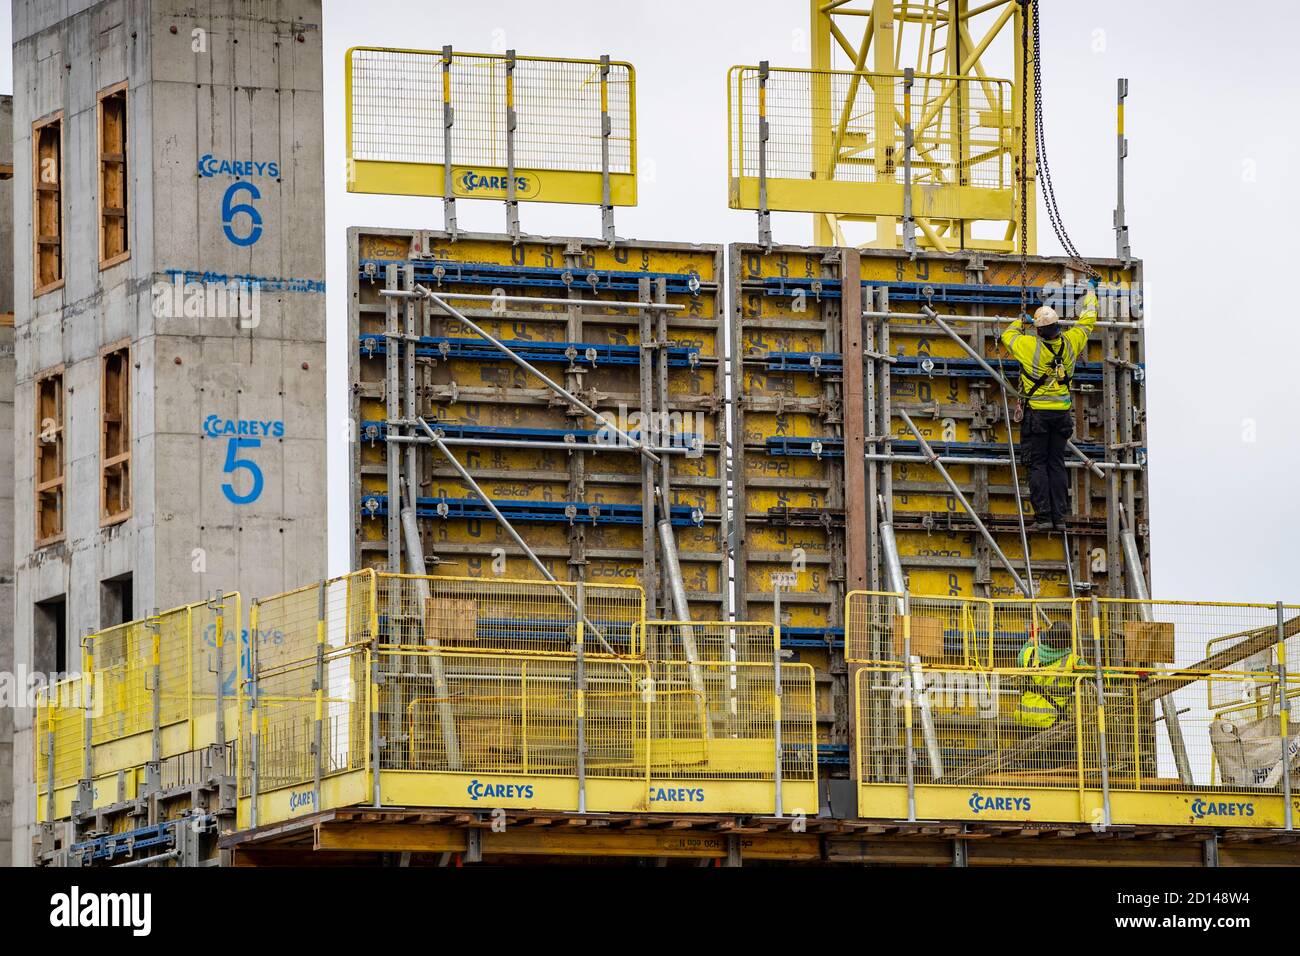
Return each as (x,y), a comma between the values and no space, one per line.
(1284,713)
(86,786)
(448,120)
(907,705)
(580,682)
(49,759)
(512,204)
(776,703)
(606,130)
(153,773)
(764,214)
(373,692)
(1102,756)
(255,718)
(318,687)
(220,637)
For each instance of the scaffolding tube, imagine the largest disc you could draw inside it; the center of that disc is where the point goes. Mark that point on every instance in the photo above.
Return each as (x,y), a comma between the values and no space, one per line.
(415,561)
(681,608)
(1137,584)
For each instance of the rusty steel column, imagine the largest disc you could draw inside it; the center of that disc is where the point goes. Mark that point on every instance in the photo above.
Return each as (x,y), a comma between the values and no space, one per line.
(857,506)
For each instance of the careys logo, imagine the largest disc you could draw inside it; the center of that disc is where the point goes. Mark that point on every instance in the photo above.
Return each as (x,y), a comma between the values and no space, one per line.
(1206,808)
(676,794)
(210,166)
(302,800)
(491,184)
(516,791)
(979,803)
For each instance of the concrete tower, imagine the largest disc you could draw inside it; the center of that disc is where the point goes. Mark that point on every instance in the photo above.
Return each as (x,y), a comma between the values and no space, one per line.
(169,318)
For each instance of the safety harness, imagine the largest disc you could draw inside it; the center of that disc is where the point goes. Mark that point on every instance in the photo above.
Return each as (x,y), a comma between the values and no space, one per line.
(1057,369)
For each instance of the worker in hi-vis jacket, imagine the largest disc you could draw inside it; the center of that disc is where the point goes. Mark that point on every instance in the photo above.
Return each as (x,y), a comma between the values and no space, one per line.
(1047,361)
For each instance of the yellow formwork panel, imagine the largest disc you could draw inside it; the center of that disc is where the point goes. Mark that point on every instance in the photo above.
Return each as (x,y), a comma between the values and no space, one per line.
(496,394)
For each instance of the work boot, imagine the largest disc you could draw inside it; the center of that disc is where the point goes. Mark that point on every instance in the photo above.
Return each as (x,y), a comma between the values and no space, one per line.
(1043,524)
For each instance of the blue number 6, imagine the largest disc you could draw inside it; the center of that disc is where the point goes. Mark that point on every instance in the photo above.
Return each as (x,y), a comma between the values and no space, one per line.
(230,209)
(234,464)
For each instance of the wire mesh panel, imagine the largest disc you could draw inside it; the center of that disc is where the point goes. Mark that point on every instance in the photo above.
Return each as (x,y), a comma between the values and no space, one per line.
(491,614)
(287,623)
(225,614)
(1008,727)
(828,128)
(499,713)
(281,729)
(400,100)
(1208,691)
(59,736)
(745,641)
(122,662)
(717,721)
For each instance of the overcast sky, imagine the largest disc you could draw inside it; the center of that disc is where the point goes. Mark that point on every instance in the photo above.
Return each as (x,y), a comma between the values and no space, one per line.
(1212,189)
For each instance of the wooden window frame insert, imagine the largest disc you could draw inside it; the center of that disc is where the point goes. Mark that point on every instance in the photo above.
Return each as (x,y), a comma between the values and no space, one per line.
(121,461)
(57,486)
(37,188)
(104,160)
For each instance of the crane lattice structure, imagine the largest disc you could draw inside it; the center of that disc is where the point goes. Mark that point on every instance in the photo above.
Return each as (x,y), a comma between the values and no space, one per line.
(962,57)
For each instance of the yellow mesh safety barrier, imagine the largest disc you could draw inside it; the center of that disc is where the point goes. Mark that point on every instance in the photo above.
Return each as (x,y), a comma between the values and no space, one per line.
(287,623)
(528,617)
(829,129)
(282,726)
(511,713)
(149,689)
(955,631)
(1148,712)
(395,125)
(744,641)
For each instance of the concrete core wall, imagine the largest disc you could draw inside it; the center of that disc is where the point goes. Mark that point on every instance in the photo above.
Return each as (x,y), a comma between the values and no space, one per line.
(6,473)
(225,195)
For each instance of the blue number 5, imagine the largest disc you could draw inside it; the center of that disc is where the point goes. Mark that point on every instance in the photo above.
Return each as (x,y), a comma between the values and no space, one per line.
(234,464)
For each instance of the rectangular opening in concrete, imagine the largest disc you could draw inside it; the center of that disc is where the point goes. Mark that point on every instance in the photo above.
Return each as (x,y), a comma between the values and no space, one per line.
(116,601)
(49,457)
(47,202)
(50,633)
(113,240)
(115,437)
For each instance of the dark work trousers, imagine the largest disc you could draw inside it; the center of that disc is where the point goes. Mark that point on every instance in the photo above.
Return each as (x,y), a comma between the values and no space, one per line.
(1043,435)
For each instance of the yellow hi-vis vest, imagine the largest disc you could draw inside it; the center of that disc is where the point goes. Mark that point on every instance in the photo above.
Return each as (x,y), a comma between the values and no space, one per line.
(1052,362)
(1040,706)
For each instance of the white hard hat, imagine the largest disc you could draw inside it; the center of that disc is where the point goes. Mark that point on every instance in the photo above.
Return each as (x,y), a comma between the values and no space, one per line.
(1045,316)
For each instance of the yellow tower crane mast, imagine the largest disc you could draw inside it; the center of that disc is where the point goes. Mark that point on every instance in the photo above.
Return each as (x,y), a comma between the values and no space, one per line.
(956,69)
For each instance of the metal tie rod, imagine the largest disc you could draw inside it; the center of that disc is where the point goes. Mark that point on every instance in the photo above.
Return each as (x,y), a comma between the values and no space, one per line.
(510,530)
(540,300)
(933,459)
(533,370)
(1007,387)
(994,319)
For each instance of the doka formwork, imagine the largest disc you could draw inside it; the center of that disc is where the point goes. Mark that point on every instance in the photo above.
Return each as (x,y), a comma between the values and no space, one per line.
(801,495)
(496,409)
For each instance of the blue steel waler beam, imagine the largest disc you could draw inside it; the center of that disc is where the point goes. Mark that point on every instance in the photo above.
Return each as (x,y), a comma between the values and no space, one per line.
(955,294)
(479,350)
(912,366)
(548,512)
(582,439)
(436,273)
(779,446)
